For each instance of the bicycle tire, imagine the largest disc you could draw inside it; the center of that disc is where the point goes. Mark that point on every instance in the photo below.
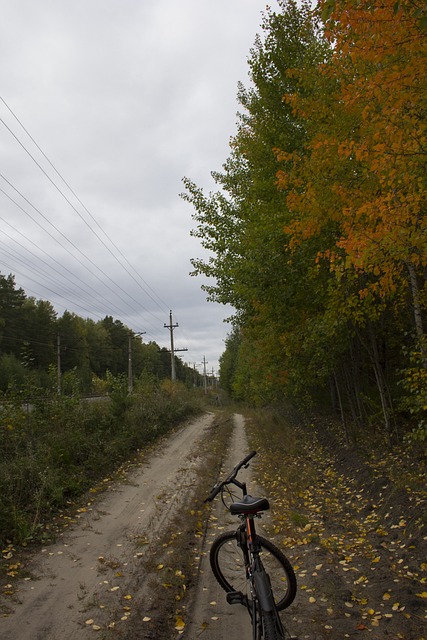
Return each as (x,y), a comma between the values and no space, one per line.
(270,630)
(228,567)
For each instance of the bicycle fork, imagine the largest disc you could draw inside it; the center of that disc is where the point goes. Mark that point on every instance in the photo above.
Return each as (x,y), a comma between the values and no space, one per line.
(258,578)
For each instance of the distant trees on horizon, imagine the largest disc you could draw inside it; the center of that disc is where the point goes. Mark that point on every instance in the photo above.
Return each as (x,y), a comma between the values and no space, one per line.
(29,331)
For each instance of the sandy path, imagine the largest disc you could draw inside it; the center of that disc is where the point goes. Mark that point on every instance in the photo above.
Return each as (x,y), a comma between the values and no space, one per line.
(212,617)
(92,563)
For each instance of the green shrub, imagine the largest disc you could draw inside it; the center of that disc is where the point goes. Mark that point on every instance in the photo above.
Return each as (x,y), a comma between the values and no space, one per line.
(57,447)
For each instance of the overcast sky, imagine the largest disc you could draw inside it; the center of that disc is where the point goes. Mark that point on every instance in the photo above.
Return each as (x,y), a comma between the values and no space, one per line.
(124,98)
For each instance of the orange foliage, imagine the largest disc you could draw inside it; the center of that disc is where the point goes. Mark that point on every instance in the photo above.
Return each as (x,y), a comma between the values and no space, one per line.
(365,166)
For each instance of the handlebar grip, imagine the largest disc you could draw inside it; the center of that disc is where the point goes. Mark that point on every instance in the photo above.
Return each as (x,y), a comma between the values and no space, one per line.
(248,457)
(214,492)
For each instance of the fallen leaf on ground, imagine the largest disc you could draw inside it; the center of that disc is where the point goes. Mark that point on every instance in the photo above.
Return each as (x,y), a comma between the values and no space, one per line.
(179,624)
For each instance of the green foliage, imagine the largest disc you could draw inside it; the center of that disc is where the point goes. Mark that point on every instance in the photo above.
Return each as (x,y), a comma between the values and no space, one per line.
(12,371)
(57,447)
(31,337)
(228,361)
(300,228)
(414,382)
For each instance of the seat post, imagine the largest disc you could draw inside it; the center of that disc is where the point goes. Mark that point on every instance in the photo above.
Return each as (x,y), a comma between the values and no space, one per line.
(250,526)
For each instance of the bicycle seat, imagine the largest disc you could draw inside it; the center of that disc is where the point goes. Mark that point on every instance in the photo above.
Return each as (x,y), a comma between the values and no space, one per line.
(249,505)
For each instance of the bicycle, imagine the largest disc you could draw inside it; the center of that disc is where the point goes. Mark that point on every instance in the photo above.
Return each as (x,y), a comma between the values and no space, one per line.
(242,561)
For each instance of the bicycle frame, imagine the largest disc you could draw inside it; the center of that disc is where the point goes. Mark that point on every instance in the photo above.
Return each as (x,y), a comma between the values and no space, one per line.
(260,587)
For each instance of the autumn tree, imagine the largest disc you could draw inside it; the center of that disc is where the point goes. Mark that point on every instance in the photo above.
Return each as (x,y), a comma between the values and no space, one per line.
(360,178)
(242,223)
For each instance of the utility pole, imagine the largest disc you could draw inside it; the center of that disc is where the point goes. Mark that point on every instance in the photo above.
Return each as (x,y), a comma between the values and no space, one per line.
(194,374)
(205,382)
(130,375)
(171,327)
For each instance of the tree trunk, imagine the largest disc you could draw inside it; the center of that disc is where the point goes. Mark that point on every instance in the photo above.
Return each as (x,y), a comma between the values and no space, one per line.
(417,311)
(343,419)
(386,402)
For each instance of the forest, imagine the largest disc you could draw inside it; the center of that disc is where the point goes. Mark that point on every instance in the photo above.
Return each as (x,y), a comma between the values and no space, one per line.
(317,228)
(35,343)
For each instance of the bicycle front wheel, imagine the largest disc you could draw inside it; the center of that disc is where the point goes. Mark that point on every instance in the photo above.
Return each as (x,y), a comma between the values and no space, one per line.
(228,567)
(271,630)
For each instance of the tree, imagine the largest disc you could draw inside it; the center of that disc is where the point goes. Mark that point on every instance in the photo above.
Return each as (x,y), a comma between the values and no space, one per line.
(358,185)
(40,333)
(11,315)
(242,224)
(364,169)
(117,358)
(73,344)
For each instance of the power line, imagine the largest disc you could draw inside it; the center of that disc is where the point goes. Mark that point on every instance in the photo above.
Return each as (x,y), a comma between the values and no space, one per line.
(76,248)
(65,238)
(52,291)
(79,283)
(83,205)
(73,245)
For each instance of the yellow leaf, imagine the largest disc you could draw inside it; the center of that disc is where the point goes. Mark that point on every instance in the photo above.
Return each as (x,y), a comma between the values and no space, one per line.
(146,619)
(386,596)
(128,597)
(160,567)
(179,624)
(422,595)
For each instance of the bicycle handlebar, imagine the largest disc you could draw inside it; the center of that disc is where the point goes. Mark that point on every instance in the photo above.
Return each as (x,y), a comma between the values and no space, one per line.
(219,485)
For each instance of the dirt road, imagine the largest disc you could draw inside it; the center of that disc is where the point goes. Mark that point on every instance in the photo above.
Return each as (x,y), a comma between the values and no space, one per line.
(211,616)
(78,583)
(83,585)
